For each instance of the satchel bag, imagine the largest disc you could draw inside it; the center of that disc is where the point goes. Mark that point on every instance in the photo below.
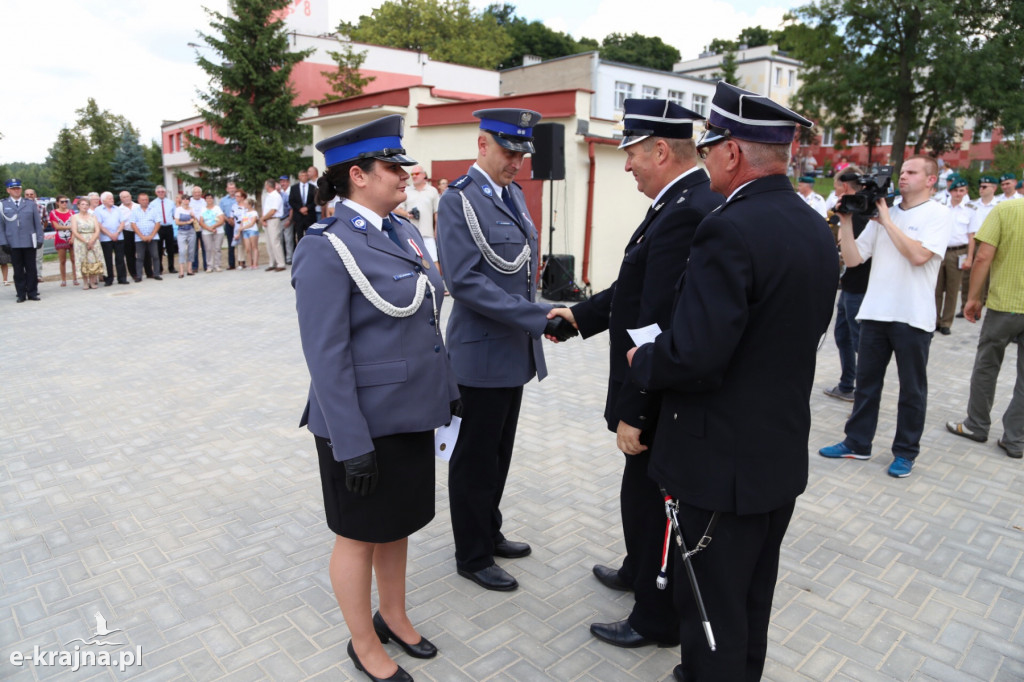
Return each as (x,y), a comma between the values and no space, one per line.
(92,264)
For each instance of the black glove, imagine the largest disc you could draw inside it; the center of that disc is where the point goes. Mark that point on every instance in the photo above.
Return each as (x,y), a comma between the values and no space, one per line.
(560,328)
(456,407)
(361,474)
(415,212)
(6,249)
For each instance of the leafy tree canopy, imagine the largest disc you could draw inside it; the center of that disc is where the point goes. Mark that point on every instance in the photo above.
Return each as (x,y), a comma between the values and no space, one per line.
(639,50)
(346,80)
(534,38)
(446,30)
(751,36)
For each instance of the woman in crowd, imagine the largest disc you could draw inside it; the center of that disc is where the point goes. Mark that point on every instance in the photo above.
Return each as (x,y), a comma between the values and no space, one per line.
(60,218)
(85,233)
(185,221)
(380,383)
(237,213)
(211,220)
(251,234)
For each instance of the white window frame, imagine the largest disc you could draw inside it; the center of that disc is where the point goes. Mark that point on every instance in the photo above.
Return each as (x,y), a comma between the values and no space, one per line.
(650,92)
(700,104)
(623,91)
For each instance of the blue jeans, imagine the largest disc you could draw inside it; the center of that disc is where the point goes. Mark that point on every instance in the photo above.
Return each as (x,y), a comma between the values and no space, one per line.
(878,342)
(847,334)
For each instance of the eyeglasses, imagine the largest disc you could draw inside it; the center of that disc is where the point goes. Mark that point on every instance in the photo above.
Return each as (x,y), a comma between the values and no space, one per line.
(62,202)
(712,135)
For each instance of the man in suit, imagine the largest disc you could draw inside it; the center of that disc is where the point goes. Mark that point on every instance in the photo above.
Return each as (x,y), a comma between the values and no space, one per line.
(494,334)
(21,232)
(661,155)
(302,201)
(755,299)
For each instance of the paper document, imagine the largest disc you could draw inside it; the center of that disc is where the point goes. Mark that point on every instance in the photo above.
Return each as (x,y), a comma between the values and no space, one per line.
(644,334)
(960,261)
(445,437)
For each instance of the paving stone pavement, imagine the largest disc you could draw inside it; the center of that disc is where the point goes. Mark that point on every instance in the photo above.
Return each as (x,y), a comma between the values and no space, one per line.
(152,471)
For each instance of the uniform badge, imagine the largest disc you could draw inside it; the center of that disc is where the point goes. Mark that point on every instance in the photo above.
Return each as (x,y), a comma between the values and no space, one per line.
(426,264)
(524,119)
(359,223)
(487,190)
(404,275)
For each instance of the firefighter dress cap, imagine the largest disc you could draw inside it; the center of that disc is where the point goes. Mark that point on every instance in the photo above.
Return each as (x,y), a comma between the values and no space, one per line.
(380,139)
(511,128)
(745,115)
(643,118)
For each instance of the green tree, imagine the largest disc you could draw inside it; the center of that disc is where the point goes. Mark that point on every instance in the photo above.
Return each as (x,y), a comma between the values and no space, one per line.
(901,61)
(68,159)
(102,129)
(250,99)
(155,162)
(33,175)
(1008,156)
(130,170)
(445,30)
(941,137)
(728,73)
(534,38)
(639,50)
(751,36)
(346,80)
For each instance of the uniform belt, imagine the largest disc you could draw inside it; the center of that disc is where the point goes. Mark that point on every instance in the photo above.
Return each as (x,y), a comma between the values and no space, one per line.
(962,247)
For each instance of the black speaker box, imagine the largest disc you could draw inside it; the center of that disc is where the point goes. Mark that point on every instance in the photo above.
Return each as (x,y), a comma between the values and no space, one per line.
(549,158)
(557,279)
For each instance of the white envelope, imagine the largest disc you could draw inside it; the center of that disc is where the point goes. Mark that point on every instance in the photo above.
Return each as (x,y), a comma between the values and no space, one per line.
(445,437)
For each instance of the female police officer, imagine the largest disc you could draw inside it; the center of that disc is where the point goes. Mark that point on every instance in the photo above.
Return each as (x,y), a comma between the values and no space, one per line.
(368,305)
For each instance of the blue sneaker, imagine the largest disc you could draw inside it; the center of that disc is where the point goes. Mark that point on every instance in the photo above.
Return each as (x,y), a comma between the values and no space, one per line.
(840,450)
(900,467)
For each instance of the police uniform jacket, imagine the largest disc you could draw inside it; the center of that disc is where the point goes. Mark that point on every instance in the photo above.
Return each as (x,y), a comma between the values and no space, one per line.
(644,291)
(371,374)
(18,223)
(495,329)
(738,363)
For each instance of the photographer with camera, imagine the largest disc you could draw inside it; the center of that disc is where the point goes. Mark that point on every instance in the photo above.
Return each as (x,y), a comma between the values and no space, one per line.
(898,312)
(854,283)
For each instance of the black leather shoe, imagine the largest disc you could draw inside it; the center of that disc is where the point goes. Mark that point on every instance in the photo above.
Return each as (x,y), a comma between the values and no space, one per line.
(421,649)
(960,315)
(622,634)
(33,297)
(158,277)
(508,549)
(399,676)
(493,577)
(944,331)
(21,299)
(609,577)
(677,673)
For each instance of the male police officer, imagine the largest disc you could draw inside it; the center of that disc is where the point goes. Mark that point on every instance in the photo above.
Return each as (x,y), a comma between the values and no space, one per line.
(755,300)
(661,155)
(21,231)
(488,245)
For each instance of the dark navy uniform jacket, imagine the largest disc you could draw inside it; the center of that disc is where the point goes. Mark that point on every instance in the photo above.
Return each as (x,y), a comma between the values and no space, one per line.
(18,223)
(495,330)
(736,367)
(645,290)
(371,374)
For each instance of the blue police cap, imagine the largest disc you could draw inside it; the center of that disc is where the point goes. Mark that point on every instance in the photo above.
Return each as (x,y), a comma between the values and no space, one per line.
(380,139)
(284,177)
(13,182)
(511,128)
(643,118)
(745,115)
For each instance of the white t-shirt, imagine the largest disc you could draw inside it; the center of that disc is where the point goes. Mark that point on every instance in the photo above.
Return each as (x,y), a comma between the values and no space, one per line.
(962,213)
(272,200)
(899,291)
(426,201)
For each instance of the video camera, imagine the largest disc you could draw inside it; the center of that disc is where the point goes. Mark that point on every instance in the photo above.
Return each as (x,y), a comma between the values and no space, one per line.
(874,186)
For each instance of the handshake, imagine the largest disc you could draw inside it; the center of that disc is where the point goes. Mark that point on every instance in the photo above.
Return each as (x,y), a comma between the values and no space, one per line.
(561,325)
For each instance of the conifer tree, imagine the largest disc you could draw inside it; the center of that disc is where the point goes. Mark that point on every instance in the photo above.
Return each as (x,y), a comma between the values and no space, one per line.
(249,100)
(68,160)
(131,172)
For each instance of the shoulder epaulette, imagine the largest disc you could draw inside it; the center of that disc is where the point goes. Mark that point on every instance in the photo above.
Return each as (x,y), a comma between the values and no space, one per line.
(317,229)
(461,182)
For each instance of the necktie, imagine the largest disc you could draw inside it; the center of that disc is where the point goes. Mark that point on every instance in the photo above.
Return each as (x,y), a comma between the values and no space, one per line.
(390,230)
(506,196)
(163,211)
(302,189)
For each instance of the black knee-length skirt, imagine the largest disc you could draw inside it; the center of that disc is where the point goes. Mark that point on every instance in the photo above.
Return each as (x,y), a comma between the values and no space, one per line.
(403,501)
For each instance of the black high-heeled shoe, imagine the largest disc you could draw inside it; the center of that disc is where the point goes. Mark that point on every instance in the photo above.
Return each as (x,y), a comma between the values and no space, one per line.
(421,649)
(399,676)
